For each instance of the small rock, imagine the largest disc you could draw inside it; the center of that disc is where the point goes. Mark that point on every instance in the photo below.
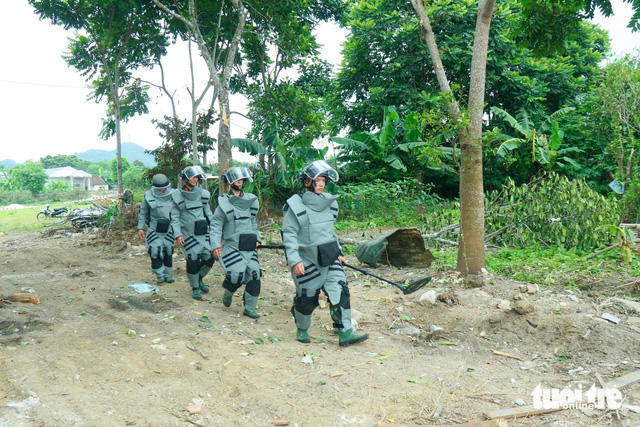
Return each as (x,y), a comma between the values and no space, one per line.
(409,330)
(495,318)
(576,370)
(517,297)
(611,318)
(522,307)
(399,309)
(519,402)
(307,359)
(428,298)
(504,305)
(114,342)
(532,288)
(246,342)
(483,334)
(435,328)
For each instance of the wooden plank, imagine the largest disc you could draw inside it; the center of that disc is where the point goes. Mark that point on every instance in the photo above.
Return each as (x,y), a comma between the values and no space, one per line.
(624,381)
(523,411)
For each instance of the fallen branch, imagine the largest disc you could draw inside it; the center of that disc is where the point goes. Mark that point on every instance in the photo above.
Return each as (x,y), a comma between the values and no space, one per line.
(510,356)
(608,248)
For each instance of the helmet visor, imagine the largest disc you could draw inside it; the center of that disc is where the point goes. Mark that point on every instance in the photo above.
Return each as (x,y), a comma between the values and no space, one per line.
(238,172)
(320,167)
(193,171)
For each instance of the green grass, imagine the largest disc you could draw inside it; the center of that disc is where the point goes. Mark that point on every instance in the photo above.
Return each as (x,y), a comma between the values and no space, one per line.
(20,220)
(551,266)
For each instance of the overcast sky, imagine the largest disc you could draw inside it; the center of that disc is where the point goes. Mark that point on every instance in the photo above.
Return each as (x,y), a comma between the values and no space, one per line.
(43,104)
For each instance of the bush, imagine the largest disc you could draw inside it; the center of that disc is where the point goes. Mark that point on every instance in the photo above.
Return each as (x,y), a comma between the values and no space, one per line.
(405,202)
(552,211)
(630,203)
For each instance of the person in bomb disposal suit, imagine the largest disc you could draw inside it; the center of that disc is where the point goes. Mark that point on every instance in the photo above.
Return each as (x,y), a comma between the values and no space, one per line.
(159,212)
(314,254)
(234,220)
(195,234)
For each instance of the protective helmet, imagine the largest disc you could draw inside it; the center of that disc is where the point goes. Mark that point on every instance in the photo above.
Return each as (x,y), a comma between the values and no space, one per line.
(159,184)
(191,171)
(317,168)
(235,173)
(160,180)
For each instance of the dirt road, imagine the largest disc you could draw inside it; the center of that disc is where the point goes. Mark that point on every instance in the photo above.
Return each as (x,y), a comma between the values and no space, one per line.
(95,352)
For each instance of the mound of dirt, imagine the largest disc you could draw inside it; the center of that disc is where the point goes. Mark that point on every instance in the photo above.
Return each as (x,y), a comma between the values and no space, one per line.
(95,352)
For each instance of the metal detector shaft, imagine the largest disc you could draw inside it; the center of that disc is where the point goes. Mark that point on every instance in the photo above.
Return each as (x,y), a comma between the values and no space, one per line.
(410,288)
(368,273)
(271,247)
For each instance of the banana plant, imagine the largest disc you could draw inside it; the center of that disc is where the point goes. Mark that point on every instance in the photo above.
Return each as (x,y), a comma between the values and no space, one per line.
(545,145)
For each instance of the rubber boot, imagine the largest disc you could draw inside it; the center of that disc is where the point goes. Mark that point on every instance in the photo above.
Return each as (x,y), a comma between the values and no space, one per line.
(226,298)
(195,294)
(160,279)
(347,337)
(303,336)
(251,314)
(168,274)
(204,288)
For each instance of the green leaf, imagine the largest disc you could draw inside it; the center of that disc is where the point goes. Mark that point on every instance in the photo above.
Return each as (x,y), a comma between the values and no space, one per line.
(258,340)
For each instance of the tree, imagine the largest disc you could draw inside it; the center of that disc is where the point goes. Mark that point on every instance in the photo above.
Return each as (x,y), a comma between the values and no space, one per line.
(114,38)
(384,66)
(619,96)
(62,160)
(28,176)
(471,256)
(537,146)
(218,33)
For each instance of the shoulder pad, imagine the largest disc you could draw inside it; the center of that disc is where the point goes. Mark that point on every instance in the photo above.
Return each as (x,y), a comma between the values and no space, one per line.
(177,197)
(149,195)
(206,194)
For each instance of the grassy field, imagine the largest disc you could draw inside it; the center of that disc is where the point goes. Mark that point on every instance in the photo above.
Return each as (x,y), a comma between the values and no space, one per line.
(20,220)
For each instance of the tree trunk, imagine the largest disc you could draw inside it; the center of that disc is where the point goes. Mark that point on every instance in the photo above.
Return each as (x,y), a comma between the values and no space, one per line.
(224,136)
(194,134)
(471,255)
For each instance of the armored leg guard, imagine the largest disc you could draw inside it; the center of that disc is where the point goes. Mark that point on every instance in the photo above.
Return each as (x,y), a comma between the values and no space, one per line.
(339,308)
(193,268)
(251,293)
(156,264)
(206,262)
(303,306)
(227,298)
(167,260)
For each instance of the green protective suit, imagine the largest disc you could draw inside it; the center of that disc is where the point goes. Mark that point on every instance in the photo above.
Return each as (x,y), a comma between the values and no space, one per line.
(234,222)
(195,220)
(307,230)
(159,212)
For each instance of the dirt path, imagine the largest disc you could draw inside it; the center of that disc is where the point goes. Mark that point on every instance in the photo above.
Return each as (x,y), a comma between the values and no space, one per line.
(95,352)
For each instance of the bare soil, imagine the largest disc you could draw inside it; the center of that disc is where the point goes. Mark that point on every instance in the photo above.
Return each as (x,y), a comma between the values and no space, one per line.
(95,352)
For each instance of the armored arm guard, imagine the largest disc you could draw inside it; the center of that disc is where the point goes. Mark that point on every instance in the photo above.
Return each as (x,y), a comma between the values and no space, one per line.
(217,225)
(144,213)
(255,207)
(290,229)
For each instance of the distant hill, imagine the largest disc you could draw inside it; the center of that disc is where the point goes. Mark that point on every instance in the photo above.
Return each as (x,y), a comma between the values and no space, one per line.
(8,163)
(130,151)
